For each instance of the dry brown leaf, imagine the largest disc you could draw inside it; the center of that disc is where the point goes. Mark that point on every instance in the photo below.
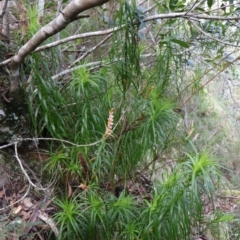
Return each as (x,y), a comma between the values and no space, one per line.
(44,216)
(84,165)
(27,202)
(69,190)
(17,210)
(26,215)
(11,202)
(23,189)
(83,186)
(2,193)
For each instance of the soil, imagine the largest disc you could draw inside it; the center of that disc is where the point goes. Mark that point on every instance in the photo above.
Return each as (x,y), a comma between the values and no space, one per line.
(21,205)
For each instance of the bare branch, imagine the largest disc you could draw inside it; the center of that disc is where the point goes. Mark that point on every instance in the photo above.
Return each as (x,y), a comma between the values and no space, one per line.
(19,200)
(24,171)
(68,39)
(73,9)
(61,140)
(3,8)
(98,63)
(78,36)
(40,9)
(211,79)
(189,16)
(65,72)
(6,28)
(213,38)
(69,14)
(43,216)
(7,145)
(59,23)
(91,50)
(195,5)
(32,44)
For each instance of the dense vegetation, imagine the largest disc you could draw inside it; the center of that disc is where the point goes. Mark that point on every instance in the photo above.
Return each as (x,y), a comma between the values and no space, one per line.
(125,115)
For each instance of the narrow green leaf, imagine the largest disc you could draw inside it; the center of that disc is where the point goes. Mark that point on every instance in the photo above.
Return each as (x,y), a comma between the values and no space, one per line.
(210,3)
(200,9)
(172,4)
(180,42)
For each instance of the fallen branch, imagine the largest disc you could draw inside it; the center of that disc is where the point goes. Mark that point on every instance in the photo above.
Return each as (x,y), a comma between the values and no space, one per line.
(60,140)
(24,171)
(44,217)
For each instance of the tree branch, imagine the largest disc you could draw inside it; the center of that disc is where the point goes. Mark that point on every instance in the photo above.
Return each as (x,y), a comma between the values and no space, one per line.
(73,9)
(91,50)
(189,16)
(213,38)
(3,8)
(69,14)
(31,46)
(91,64)
(75,37)
(68,39)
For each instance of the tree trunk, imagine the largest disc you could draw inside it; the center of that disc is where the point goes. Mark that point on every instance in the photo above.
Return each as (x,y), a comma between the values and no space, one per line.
(14,119)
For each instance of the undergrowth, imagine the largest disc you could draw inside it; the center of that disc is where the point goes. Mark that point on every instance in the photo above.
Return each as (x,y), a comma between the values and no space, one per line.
(124,120)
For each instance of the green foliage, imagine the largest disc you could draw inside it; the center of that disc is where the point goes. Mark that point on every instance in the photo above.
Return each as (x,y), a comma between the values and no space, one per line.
(128,67)
(202,164)
(33,24)
(15,229)
(102,215)
(69,219)
(210,3)
(135,101)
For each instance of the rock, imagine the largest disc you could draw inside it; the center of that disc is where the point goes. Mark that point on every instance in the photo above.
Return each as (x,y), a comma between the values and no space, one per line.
(14,112)
(4,180)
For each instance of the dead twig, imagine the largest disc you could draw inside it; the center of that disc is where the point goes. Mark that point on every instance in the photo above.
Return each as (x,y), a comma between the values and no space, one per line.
(91,50)
(19,200)
(43,216)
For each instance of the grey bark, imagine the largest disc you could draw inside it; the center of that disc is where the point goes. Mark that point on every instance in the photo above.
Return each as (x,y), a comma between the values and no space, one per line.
(14,118)
(69,14)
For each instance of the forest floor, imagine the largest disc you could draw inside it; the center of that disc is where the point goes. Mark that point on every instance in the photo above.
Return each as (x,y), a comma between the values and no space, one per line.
(26,212)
